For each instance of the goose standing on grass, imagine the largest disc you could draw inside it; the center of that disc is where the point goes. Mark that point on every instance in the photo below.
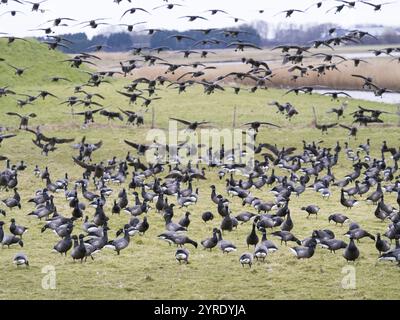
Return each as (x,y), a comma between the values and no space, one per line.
(182,254)
(21,259)
(212,242)
(185,221)
(358,234)
(17,230)
(64,245)
(79,250)
(333,244)
(224,245)
(351,253)
(207,216)
(120,243)
(381,245)
(267,243)
(181,239)
(170,225)
(261,252)
(311,209)
(287,225)
(392,255)
(338,218)
(246,258)
(305,252)
(252,239)
(348,203)
(286,236)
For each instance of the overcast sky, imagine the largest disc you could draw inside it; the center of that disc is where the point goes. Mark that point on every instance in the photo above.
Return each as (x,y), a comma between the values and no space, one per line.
(83,10)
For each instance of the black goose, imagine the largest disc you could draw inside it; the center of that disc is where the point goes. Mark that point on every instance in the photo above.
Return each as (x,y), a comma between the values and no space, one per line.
(392,255)
(64,245)
(182,254)
(381,245)
(97,243)
(260,252)
(351,252)
(100,217)
(43,211)
(207,216)
(287,225)
(227,223)
(338,218)
(333,244)
(185,221)
(304,252)
(376,195)
(79,250)
(348,203)
(12,202)
(172,226)
(223,208)
(358,234)
(286,236)
(120,243)
(224,245)
(311,209)
(323,234)
(252,238)
(267,243)
(142,226)
(181,240)
(17,230)
(245,216)
(246,258)
(139,209)
(21,259)
(210,243)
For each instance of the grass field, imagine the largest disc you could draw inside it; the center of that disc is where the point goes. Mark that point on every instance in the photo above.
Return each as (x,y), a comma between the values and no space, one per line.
(147,268)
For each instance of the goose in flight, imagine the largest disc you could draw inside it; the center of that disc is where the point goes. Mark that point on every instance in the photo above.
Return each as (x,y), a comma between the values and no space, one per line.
(241,45)
(57,22)
(215,11)
(191,126)
(289,12)
(93,23)
(335,95)
(377,7)
(368,81)
(36,5)
(193,18)
(23,119)
(133,10)
(168,6)
(324,127)
(256,125)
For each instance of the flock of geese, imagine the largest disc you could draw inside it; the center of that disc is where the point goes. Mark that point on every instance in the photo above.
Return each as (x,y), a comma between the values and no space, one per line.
(164,187)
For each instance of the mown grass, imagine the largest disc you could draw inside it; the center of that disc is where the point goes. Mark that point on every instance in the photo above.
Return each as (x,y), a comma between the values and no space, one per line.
(147,268)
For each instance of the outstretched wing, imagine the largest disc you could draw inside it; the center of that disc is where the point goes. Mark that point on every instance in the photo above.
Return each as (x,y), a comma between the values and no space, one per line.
(61,141)
(331,125)
(181,121)
(84,165)
(132,144)
(345,127)
(13,114)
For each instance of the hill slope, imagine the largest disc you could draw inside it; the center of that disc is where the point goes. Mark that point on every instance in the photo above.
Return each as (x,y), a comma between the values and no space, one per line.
(42,63)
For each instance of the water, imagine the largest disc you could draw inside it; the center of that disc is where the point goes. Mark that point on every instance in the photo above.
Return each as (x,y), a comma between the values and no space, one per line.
(391,98)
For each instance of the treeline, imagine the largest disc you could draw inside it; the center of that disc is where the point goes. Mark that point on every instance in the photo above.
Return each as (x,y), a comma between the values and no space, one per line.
(258,33)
